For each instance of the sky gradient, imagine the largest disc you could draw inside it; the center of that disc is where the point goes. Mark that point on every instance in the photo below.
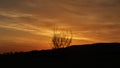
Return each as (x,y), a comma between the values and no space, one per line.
(27,24)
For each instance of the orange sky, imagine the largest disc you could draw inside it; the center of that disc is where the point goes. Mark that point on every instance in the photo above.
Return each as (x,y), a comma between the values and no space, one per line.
(27,24)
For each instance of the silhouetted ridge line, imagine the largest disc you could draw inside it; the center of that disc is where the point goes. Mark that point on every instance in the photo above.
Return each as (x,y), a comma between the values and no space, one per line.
(89,55)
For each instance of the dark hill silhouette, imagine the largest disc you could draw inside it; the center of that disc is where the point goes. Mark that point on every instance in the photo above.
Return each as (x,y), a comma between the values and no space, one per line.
(90,55)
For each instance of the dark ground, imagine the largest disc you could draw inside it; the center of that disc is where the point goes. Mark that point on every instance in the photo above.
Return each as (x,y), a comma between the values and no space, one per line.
(91,55)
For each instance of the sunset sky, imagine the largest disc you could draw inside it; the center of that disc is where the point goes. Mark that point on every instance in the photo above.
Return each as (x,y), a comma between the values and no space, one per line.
(27,24)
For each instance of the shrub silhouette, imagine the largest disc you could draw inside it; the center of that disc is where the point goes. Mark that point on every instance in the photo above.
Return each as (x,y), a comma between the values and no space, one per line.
(61,38)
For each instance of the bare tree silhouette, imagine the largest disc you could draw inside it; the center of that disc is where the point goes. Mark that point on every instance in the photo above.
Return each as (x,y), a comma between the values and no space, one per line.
(61,38)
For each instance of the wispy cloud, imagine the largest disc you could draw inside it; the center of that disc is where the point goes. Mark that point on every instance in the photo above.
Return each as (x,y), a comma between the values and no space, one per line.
(27,28)
(36,30)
